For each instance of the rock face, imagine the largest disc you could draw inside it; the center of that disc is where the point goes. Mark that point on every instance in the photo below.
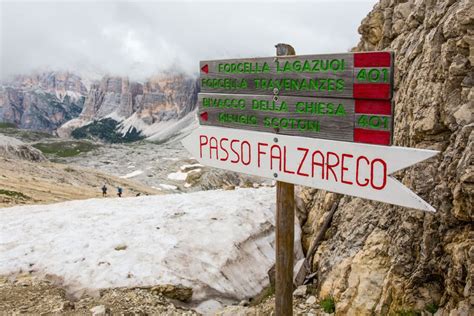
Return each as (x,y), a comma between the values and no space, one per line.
(166,97)
(42,101)
(176,292)
(60,102)
(13,148)
(382,259)
(111,95)
(137,105)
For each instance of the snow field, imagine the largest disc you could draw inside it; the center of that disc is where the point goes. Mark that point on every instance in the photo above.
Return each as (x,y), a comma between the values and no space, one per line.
(220,243)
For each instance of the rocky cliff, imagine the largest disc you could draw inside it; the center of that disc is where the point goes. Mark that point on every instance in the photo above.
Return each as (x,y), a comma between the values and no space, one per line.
(42,101)
(60,101)
(380,259)
(13,148)
(166,97)
(136,106)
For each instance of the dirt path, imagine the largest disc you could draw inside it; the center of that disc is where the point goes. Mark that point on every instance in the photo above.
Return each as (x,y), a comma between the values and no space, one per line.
(30,295)
(24,182)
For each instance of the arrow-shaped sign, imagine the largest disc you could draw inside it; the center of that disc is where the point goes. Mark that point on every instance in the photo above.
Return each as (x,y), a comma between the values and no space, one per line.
(204,116)
(205,69)
(350,168)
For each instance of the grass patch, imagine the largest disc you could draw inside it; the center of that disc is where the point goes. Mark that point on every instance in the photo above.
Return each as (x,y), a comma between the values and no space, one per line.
(14,194)
(431,308)
(65,148)
(328,304)
(407,312)
(7,125)
(25,135)
(262,296)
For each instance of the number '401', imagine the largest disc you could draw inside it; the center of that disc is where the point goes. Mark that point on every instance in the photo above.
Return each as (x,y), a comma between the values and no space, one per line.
(373,75)
(373,121)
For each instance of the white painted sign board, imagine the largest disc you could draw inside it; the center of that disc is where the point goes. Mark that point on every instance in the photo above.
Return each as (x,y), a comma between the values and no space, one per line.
(355,169)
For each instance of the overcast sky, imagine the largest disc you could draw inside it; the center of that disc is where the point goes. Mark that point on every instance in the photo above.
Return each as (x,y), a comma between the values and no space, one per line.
(140,38)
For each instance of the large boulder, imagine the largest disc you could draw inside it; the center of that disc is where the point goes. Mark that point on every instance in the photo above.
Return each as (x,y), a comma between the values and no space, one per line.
(13,148)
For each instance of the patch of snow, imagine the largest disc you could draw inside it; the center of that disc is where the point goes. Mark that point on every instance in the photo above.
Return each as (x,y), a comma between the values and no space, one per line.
(209,307)
(116,117)
(168,186)
(131,122)
(193,166)
(178,176)
(65,130)
(132,174)
(220,243)
(10,141)
(73,95)
(172,129)
(158,132)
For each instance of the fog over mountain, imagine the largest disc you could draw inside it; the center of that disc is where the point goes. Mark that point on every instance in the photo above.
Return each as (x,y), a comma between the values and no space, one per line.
(138,39)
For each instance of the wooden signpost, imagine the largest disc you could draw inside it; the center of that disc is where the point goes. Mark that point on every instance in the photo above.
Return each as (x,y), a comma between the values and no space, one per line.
(348,75)
(367,121)
(323,121)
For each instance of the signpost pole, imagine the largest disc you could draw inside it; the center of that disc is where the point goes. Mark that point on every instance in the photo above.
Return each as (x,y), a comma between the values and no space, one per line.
(285,234)
(285,230)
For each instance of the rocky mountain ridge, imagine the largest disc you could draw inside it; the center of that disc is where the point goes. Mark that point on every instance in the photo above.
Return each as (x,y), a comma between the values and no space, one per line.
(60,102)
(380,259)
(41,101)
(137,106)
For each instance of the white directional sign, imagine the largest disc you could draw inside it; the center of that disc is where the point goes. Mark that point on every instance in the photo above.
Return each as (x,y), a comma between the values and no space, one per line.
(350,168)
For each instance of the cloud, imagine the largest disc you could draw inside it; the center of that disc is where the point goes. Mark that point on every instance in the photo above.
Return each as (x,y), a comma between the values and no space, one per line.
(141,38)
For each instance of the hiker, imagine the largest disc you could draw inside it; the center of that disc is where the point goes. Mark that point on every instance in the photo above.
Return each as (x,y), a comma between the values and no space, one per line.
(104,191)
(119,192)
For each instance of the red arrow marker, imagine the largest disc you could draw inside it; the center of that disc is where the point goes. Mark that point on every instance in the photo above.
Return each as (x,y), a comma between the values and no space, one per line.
(205,68)
(204,116)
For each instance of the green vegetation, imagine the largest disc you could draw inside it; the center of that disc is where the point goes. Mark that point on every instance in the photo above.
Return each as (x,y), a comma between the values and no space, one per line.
(408,312)
(328,304)
(65,148)
(106,130)
(14,194)
(431,308)
(25,135)
(263,295)
(7,125)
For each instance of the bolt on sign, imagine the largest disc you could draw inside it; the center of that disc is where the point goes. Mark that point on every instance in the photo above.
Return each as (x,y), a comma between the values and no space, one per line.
(323,121)
(340,96)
